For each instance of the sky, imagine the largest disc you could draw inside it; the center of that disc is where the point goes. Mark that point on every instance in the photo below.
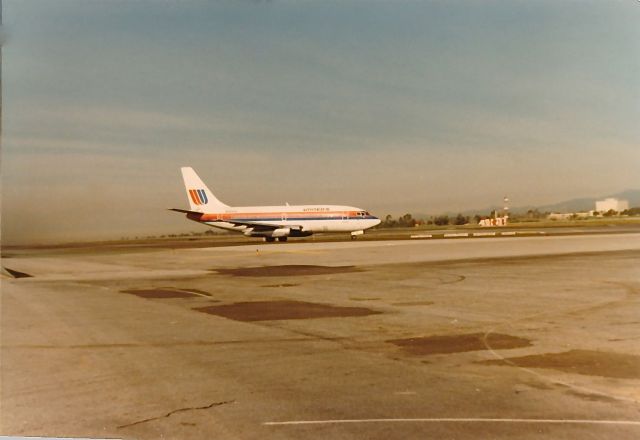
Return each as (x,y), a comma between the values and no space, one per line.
(391,106)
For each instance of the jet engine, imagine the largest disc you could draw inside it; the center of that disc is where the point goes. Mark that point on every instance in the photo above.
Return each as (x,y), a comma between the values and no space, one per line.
(281,232)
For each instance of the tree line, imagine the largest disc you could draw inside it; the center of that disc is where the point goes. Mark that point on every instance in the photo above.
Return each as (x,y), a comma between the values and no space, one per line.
(407,221)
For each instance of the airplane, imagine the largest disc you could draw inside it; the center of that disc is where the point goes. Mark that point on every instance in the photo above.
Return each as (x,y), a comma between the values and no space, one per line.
(270,222)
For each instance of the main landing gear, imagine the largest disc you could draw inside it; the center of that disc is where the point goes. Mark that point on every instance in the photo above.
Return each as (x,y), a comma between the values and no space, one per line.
(272,239)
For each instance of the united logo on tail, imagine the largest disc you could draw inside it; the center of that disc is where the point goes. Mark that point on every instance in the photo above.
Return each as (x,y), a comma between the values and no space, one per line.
(198,196)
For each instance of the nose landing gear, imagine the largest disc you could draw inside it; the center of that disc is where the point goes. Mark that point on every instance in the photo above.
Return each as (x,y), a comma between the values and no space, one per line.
(355,234)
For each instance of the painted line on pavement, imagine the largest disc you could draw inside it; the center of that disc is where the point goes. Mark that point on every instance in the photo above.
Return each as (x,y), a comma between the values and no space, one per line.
(458,420)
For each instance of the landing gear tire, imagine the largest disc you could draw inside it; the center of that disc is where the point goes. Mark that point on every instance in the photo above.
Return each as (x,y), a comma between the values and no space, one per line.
(282,238)
(269,239)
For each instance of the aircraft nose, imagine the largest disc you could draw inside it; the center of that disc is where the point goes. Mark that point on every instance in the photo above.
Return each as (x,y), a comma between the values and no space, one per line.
(375,222)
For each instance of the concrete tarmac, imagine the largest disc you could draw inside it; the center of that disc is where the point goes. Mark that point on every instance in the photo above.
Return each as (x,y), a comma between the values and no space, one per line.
(527,337)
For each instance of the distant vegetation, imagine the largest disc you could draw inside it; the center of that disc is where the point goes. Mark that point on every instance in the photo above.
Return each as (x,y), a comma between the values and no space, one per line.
(407,221)
(404,221)
(531,215)
(631,211)
(205,233)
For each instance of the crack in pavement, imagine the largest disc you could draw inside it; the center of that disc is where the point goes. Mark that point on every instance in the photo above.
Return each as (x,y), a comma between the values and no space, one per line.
(170,413)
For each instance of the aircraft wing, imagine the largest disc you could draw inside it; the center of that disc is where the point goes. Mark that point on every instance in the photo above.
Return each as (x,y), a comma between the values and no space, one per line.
(260,226)
(256,226)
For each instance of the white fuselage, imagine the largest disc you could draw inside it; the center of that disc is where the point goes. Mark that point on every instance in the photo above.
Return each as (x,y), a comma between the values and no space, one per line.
(303,218)
(270,222)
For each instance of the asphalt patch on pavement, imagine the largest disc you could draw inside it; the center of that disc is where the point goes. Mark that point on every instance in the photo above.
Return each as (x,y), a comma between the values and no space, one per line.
(160,293)
(585,362)
(279,310)
(286,270)
(443,344)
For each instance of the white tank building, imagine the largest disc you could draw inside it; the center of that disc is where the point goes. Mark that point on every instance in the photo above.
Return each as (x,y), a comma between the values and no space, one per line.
(611,203)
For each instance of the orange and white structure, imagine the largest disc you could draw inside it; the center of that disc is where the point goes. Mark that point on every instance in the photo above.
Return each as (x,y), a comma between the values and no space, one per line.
(271,222)
(497,221)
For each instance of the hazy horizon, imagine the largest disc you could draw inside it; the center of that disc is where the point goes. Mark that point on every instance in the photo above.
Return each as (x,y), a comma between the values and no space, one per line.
(395,107)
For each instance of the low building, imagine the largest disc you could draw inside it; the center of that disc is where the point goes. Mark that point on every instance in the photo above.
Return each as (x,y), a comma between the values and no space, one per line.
(585,214)
(560,215)
(611,203)
(498,221)
(569,215)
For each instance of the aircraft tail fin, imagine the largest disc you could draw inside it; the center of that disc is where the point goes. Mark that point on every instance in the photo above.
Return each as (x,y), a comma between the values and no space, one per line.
(201,199)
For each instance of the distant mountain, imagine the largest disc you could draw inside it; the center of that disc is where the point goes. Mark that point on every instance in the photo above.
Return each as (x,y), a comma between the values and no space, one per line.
(573,205)
(588,203)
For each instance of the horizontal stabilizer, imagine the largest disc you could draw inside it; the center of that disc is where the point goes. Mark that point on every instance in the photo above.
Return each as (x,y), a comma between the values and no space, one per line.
(185,211)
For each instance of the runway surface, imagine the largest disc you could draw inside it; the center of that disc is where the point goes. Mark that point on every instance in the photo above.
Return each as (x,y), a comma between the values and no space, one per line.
(529,337)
